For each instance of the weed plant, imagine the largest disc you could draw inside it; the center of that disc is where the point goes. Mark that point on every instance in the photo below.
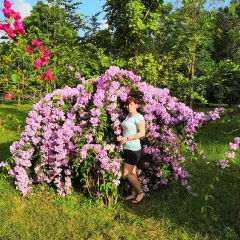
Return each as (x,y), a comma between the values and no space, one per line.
(170,213)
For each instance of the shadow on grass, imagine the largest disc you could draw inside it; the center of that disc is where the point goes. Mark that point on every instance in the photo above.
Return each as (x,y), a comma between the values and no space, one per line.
(175,205)
(13,119)
(12,122)
(5,150)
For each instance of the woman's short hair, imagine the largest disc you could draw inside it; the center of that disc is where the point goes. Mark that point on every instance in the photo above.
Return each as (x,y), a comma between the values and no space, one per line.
(131,99)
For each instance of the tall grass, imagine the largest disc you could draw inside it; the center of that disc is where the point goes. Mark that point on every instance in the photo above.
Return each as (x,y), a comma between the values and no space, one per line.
(170,213)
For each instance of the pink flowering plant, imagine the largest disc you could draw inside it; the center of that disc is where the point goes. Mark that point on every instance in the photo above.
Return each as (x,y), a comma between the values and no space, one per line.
(29,61)
(12,25)
(71,134)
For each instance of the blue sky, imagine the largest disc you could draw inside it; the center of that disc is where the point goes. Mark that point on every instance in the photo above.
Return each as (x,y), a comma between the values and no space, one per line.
(88,7)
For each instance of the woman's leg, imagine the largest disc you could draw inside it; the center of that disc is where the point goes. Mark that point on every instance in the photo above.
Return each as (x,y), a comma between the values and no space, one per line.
(129,172)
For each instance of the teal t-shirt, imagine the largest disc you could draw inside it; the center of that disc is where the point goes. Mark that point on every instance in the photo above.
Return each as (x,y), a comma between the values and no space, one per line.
(129,126)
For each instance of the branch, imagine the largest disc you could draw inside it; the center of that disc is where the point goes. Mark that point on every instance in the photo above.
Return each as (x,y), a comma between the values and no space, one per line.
(231,131)
(148,11)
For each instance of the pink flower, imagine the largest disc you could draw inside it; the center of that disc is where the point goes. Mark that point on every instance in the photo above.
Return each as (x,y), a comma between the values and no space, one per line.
(46,53)
(36,42)
(16,15)
(230,154)
(8,29)
(29,49)
(41,77)
(7,4)
(7,12)
(18,26)
(190,148)
(37,63)
(233,146)
(44,60)
(8,96)
(49,75)
(42,48)
(2,26)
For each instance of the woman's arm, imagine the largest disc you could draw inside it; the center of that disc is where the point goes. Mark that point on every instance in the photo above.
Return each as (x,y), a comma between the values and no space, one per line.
(140,133)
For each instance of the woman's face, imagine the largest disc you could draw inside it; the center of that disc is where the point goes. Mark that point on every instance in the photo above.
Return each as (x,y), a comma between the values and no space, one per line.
(131,107)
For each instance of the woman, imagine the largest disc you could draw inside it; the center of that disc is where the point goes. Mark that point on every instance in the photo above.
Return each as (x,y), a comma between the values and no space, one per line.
(133,129)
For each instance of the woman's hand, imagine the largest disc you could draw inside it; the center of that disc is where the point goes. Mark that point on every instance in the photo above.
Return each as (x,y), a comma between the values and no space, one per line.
(123,140)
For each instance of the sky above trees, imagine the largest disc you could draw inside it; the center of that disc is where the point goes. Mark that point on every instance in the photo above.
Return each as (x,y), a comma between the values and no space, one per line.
(88,7)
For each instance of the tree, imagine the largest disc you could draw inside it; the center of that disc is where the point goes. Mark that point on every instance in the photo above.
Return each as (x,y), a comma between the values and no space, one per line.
(58,28)
(50,22)
(132,22)
(193,45)
(227,54)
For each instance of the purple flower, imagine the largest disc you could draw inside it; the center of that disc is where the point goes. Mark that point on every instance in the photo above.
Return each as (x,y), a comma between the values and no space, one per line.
(70,68)
(190,148)
(223,163)
(94,121)
(3,164)
(237,140)
(184,182)
(116,182)
(89,138)
(230,154)
(78,75)
(233,146)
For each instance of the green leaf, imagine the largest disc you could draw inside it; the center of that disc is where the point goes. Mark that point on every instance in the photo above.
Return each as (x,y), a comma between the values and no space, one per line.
(15,77)
(206,198)
(9,21)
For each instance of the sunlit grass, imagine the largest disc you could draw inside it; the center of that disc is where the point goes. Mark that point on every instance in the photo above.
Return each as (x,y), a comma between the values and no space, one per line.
(12,121)
(170,213)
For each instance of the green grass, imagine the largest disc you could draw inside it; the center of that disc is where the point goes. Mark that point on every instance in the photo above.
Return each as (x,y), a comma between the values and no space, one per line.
(12,121)
(171,213)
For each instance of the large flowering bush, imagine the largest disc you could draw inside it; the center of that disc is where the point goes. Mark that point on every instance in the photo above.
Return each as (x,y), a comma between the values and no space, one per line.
(70,134)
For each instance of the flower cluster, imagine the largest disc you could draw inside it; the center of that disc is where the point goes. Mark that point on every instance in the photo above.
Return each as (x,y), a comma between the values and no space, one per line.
(19,28)
(10,14)
(233,146)
(73,132)
(42,60)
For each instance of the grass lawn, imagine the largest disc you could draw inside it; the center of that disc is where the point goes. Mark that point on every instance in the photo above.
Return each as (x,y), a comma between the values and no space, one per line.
(170,213)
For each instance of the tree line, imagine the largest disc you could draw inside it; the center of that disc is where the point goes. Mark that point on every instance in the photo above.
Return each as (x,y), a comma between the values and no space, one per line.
(193,49)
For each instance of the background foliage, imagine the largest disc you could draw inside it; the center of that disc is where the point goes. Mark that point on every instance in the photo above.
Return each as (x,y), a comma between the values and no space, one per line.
(193,49)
